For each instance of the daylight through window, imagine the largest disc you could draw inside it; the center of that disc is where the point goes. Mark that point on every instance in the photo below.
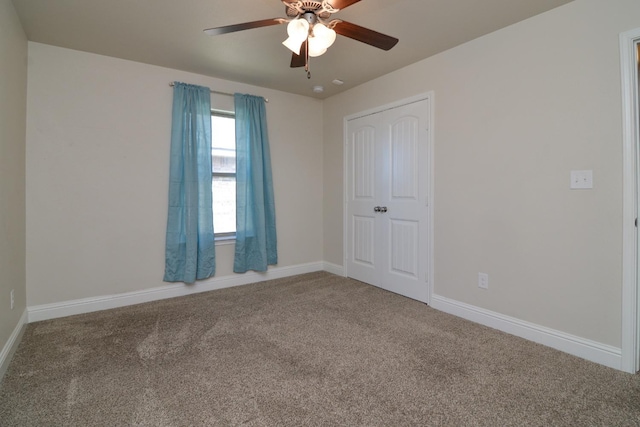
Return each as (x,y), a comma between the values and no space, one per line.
(223,163)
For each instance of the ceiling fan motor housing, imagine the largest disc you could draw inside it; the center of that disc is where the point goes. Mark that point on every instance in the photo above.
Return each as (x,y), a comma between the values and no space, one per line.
(321,9)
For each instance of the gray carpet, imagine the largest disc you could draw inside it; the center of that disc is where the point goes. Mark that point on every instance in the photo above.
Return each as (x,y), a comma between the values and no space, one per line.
(311,350)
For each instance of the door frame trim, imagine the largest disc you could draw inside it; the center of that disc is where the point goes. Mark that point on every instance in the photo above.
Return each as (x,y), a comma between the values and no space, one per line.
(630,357)
(345,181)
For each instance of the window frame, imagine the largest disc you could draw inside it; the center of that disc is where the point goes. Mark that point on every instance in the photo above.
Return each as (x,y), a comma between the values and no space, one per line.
(229,236)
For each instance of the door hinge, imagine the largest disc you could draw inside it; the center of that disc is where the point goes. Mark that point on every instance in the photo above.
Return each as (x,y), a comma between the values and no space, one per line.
(636,222)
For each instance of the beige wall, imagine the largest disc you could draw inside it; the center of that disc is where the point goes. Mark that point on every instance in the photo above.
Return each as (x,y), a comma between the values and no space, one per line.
(13,105)
(515,112)
(97,171)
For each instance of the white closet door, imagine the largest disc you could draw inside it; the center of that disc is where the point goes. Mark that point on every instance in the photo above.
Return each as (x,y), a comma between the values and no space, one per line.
(364,159)
(387,194)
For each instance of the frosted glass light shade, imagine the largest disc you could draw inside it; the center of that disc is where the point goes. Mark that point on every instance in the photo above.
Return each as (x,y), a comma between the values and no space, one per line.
(325,36)
(298,30)
(316,47)
(294,45)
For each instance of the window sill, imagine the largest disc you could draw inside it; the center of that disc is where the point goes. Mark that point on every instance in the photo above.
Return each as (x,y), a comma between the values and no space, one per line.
(221,241)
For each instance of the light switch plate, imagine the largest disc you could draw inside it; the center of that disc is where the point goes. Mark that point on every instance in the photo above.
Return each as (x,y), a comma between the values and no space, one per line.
(581,180)
(483,280)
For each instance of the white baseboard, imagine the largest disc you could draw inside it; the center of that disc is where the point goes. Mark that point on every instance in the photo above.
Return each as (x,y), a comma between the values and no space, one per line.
(333,268)
(12,344)
(590,350)
(88,305)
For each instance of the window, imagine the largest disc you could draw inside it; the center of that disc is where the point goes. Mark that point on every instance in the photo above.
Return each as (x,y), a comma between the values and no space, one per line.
(223,173)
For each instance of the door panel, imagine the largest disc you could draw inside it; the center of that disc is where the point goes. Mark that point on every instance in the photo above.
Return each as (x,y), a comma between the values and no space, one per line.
(404,158)
(364,163)
(364,240)
(403,248)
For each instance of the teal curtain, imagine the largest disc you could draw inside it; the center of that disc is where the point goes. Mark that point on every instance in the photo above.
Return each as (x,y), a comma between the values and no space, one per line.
(256,243)
(190,245)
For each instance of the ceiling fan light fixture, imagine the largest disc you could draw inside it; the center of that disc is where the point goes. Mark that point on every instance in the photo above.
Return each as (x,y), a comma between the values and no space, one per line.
(309,22)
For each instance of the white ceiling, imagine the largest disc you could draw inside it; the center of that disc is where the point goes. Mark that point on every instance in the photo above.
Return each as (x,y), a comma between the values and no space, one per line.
(169,33)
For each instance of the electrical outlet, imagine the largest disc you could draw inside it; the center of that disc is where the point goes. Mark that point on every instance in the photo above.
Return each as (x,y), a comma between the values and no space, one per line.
(483,280)
(12,299)
(582,179)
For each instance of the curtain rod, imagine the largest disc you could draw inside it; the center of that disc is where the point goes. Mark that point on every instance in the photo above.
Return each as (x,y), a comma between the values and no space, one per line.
(217,92)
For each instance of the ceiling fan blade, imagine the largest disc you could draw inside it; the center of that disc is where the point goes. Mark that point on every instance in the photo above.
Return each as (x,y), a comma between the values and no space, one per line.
(341,4)
(244,26)
(299,60)
(365,35)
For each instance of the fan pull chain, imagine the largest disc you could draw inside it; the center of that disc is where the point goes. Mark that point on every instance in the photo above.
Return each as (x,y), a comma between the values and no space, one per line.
(306,59)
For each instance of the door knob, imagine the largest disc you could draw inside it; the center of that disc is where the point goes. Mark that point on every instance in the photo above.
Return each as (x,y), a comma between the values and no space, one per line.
(377,209)
(383,209)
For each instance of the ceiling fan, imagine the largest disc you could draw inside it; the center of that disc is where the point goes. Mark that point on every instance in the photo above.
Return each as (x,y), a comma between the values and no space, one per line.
(311,31)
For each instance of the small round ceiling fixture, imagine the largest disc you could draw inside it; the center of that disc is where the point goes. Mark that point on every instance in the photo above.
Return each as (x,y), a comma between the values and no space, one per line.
(337,82)
(318,89)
